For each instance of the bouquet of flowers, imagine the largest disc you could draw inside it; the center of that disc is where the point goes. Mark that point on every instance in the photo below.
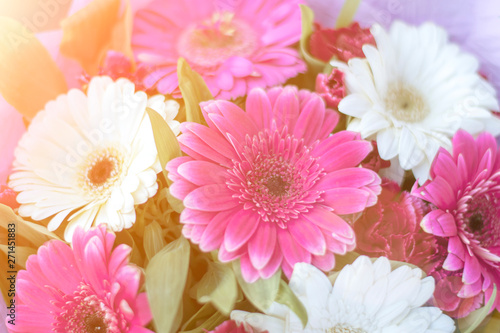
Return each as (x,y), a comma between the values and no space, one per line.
(252,166)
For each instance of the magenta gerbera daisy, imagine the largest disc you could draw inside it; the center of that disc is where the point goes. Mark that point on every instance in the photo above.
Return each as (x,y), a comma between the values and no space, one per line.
(268,185)
(465,188)
(87,288)
(234,45)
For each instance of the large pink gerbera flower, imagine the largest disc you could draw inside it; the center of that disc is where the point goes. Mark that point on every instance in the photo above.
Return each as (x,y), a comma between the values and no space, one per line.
(87,288)
(267,185)
(465,188)
(234,45)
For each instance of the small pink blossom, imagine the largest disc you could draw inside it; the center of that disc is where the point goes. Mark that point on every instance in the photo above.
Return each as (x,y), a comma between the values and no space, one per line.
(373,161)
(234,45)
(343,43)
(465,188)
(331,87)
(8,197)
(89,287)
(391,229)
(267,185)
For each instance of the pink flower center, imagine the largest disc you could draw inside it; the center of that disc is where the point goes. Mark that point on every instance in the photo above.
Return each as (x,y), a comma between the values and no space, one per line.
(212,42)
(481,216)
(274,177)
(85,312)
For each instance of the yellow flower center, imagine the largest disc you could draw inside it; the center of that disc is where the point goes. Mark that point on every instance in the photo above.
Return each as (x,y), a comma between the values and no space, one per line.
(343,328)
(406,103)
(101,170)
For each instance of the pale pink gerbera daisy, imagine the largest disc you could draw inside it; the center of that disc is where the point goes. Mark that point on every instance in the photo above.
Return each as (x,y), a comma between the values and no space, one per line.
(234,45)
(87,288)
(267,185)
(465,188)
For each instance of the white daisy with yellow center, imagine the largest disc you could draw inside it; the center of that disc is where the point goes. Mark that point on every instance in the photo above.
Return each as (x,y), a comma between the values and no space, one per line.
(366,297)
(413,92)
(89,159)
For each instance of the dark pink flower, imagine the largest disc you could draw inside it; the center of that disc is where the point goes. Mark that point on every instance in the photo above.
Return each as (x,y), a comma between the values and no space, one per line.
(268,185)
(343,43)
(373,161)
(465,188)
(331,87)
(89,287)
(391,229)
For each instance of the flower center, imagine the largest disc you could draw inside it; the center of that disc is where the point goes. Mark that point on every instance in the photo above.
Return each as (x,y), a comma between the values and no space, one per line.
(213,41)
(406,103)
(274,177)
(95,324)
(482,217)
(101,170)
(84,312)
(343,328)
(277,186)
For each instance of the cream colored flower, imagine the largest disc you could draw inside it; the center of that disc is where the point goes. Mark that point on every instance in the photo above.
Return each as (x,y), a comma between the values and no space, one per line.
(90,158)
(413,92)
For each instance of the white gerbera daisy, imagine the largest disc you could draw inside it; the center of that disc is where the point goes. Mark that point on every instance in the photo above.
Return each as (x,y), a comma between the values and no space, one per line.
(413,92)
(366,298)
(90,158)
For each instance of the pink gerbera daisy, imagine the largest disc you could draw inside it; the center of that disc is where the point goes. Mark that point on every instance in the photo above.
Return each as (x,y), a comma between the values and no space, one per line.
(465,188)
(267,185)
(87,288)
(234,45)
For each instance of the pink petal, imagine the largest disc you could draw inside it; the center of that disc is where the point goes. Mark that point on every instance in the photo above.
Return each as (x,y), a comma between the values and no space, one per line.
(211,137)
(330,221)
(202,172)
(349,154)
(325,262)
(214,233)
(259,108)
(262,244)
(349,177)
(472,270)
(453,263)
(440,193)
(211,198)
(456,247)
(192,216)
(439,223)
(240,229)
(286,108)
(194,143)
(181,188)
(333,141)
(346,200)
(250,274)
(292,251)
(274,263)
(308,235)
(310,119)
(329,123)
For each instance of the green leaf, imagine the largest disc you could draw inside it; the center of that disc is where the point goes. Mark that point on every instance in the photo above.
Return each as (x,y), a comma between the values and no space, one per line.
(307,29)
(166,142)
(262,292)
(475,318)
(153,239)
(347,13)
(218,286)
(288,298)
(166,277)
(194,91)
(209,318)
